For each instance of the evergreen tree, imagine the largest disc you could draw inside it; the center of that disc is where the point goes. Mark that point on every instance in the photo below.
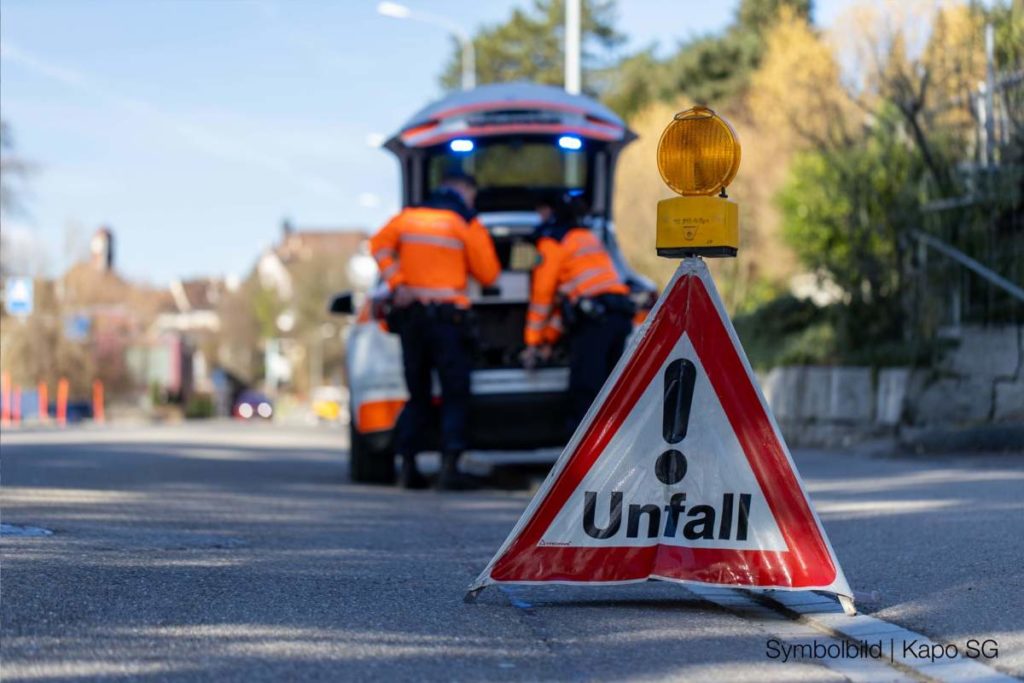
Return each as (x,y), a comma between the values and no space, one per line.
(530,45)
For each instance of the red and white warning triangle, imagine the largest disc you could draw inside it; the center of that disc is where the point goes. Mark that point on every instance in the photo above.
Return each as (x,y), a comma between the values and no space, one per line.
(677,473)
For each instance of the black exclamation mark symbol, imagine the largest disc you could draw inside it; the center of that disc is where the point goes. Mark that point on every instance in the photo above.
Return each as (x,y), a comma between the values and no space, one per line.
(680,377)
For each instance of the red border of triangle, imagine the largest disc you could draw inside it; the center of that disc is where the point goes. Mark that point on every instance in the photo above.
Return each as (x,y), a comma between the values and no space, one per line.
(806,563)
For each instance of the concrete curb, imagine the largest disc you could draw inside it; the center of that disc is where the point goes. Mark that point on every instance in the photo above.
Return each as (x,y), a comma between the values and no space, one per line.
(988,438)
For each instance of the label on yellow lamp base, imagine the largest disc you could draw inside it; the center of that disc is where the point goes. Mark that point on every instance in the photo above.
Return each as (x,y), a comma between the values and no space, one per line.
(698,226)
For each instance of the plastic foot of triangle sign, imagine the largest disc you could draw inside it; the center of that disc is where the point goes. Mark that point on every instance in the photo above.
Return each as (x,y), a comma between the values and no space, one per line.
(677,473)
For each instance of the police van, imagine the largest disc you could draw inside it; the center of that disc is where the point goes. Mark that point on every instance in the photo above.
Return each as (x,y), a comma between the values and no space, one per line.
(522,142)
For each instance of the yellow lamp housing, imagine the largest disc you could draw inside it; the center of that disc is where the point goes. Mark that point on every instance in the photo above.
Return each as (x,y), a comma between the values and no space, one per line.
(698,156)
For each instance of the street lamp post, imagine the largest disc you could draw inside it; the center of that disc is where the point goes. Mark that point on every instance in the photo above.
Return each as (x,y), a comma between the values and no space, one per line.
(397,11)
(572,47)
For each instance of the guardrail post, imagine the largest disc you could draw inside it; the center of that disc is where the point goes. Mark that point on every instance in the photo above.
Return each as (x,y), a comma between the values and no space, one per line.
(44,403)
(97,402)
(5,399)
(62,402)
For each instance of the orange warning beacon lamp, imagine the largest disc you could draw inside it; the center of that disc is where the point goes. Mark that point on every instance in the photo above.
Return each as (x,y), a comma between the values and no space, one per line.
(698,156)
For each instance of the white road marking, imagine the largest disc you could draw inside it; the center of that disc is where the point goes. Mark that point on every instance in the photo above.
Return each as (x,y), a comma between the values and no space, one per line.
(15,530)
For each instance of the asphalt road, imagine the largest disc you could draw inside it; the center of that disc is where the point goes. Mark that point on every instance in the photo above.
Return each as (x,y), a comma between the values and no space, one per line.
(237,552)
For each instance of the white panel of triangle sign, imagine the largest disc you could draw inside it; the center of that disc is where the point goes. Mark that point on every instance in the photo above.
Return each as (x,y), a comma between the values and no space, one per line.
(717,479)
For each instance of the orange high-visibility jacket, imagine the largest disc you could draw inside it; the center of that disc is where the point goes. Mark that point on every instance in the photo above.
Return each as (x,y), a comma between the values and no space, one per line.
(553,328)
(431,252)
(575,267)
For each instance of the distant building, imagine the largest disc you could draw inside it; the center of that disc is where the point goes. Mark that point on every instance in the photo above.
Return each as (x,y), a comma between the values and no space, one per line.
(108,313)
(188,324)
(101,249)
(276,266)
(302,256)
(195,305)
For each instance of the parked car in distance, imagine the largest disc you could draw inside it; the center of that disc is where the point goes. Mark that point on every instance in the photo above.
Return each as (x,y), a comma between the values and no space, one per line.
(253,405)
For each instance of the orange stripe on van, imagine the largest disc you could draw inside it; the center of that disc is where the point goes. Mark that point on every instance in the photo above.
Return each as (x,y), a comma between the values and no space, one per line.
(379,416)
(364,313)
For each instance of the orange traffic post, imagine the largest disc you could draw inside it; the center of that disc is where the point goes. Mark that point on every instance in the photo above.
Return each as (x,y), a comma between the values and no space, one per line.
(16,406)
(97,401)
(5,399)
(62,402)
(44,403)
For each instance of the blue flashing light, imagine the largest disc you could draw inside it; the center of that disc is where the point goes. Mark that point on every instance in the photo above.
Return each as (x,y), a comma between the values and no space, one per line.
(461,145)
(570,142)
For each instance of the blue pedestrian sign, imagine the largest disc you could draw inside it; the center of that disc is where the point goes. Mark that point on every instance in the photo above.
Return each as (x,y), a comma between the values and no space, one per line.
(76,327)
(18,296)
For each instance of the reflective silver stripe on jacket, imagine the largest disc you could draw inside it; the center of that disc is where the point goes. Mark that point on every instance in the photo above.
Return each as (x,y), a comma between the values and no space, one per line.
(388,272)
(588,249)
(383,253)
(600,287)
(540,309)
(569,286)
(433,240)
(433,293)
(536,325)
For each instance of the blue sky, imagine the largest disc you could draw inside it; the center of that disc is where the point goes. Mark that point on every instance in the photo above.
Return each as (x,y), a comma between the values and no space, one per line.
(193,127)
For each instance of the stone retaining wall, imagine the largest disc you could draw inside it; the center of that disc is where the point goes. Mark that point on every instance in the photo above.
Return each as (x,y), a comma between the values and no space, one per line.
(979,382)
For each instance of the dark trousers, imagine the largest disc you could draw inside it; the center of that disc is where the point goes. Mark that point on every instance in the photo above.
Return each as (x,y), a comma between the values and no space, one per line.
(434,338)
(595,345)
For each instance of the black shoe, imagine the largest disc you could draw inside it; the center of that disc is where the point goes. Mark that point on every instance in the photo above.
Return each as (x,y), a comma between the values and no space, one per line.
(409,477)
(451,479)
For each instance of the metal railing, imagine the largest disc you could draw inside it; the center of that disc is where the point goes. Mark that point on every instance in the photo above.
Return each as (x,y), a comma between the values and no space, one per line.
(978,278)
(960,257)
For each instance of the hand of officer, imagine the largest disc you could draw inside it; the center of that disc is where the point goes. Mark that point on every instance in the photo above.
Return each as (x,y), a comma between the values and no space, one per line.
(402,297)
(545,352)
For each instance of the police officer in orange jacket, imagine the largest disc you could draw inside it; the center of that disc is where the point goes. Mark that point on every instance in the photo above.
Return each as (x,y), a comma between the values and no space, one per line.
(426,253)
(595,310)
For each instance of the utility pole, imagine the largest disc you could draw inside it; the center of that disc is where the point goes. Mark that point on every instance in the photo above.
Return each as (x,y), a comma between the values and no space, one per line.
(990,91)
